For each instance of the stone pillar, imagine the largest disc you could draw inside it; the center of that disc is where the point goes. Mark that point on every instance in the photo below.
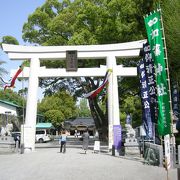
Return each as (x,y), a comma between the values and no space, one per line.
(113,99)
(31,108)
(115,95)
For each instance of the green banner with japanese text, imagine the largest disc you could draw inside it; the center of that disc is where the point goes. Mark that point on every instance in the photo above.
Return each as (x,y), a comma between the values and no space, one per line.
(154,32)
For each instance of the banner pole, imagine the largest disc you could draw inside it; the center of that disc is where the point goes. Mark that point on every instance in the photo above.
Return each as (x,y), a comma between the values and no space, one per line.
(169,86)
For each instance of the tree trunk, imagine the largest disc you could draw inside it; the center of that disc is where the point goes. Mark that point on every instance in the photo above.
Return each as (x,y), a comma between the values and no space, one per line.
(100,119)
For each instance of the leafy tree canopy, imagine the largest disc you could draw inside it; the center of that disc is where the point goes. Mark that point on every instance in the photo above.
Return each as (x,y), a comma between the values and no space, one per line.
(96,22)
(172,35)
(9,40)
(75,22)
(85,22)
(131,105)
(10,96)
(56,117)
(83,109)
(58,107)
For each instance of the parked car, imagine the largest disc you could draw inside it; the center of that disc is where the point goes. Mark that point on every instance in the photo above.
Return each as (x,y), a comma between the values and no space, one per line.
(42,135)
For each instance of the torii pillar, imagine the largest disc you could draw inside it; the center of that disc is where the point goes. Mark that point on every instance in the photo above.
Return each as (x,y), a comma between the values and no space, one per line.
(29,128)
(36,53)
(113,98)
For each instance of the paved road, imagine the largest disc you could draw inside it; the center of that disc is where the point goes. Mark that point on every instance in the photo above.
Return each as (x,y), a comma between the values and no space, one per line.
(49,164)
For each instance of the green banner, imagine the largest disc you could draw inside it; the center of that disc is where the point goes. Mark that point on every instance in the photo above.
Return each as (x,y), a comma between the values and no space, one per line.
(154,32)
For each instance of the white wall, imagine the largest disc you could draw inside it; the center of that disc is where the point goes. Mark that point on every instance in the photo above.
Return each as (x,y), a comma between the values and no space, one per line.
(5,107)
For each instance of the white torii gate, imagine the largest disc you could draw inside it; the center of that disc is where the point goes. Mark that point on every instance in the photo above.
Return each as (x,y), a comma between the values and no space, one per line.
(39,53)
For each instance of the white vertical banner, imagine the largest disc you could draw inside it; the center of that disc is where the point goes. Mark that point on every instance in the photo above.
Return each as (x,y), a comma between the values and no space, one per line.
(167,151)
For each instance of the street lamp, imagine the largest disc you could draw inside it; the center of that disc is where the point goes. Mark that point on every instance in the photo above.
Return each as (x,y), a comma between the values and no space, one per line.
(7,113)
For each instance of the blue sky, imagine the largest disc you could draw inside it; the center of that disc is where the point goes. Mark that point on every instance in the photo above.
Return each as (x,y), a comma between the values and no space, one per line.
(13,14)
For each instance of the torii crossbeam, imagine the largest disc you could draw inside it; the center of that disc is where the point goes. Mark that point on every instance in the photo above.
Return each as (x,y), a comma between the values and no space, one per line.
(39,53)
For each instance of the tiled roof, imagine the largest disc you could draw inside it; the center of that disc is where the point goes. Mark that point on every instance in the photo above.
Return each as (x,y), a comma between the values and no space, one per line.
(81,121)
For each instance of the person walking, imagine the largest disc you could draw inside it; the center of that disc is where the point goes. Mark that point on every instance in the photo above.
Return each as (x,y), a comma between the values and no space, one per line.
(63,139)
(85,137)
(75,133)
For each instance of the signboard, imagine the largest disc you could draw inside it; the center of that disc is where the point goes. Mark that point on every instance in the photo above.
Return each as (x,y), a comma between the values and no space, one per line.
(71,61)
(96,146)
(110,136)
(117,136)
(167,151)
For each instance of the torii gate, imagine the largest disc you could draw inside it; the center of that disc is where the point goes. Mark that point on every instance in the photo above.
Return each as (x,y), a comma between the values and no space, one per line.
(39,53)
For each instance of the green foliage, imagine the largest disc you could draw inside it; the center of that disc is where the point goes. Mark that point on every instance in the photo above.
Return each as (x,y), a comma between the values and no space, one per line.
(9,40)
(83,109)
(100,22)
(56,117)
(61,103)
(10,96)
(131,105)
(172,33)
(23,92)
(85,22)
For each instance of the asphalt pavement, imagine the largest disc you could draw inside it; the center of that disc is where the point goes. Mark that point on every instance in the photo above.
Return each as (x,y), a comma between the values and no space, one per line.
(50,164)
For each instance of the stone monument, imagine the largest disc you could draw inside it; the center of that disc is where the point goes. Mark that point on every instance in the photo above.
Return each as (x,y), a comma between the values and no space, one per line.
(131,144)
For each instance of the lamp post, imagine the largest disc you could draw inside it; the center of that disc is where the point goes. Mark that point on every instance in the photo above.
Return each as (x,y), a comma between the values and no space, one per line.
(7,113)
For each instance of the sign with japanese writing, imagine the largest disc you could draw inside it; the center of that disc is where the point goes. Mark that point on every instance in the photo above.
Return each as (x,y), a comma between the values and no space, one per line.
(175,107)
(117,136)
(154,32)
(150,78)
(71,61)
(167,151)
(175,101)
(145,99)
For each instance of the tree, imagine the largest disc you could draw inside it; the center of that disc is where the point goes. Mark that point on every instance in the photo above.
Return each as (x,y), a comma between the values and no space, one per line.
(56,117)
(58,107)
(83,109)
(10,96)
(23,92)
(56,23)
(131,105)
(9,40)
(85,22)
(172,33)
